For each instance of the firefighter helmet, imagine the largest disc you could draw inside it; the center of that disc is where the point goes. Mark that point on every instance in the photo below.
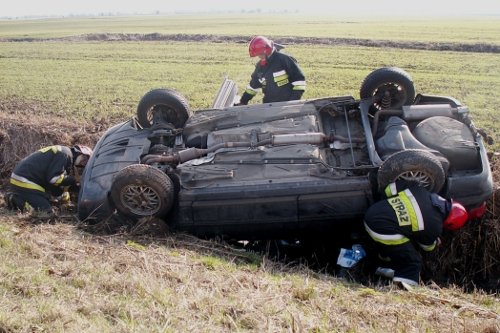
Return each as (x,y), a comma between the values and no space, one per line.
(456,217)
(81,155)
(260,45)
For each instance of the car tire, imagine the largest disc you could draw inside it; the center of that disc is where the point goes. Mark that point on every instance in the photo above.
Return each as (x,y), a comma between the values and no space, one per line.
(141,190)
(413,165)
(163,105)
(389,88)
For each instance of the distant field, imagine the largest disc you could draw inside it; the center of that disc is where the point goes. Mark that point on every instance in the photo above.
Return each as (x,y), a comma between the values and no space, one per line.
(94,79)
(460,30)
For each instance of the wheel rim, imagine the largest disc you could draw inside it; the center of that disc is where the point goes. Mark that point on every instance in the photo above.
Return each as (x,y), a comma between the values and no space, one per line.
(161,113)
(422,178)
(390,95)
(140,200)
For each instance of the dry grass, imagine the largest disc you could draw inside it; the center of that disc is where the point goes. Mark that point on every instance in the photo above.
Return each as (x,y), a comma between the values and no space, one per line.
(61,276)
(470,257)
(24,129)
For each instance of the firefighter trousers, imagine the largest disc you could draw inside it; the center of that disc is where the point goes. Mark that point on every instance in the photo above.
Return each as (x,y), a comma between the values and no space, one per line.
(24,200)
(404,259)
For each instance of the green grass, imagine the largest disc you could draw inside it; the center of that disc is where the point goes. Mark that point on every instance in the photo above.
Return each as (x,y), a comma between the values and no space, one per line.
(87,80)
(459,30)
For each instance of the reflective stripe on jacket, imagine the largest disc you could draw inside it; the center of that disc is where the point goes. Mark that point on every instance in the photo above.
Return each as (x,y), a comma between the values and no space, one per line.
(25,183)
(411,214)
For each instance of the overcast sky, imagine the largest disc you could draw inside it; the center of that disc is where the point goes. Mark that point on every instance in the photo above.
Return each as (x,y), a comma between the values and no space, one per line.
(19,8)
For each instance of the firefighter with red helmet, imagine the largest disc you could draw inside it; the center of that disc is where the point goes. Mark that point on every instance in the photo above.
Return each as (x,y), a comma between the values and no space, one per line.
(45,173)
(411,217)
(277,74)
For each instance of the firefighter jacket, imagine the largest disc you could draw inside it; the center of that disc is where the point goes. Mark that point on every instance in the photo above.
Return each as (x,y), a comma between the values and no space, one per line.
(280,79)
(46,170)
(413,214)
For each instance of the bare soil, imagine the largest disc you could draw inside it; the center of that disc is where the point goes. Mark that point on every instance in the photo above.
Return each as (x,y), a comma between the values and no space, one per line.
(412,45)
(469,258)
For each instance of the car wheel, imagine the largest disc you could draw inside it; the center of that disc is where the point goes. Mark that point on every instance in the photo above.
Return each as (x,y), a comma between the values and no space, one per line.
(163,105)
(141,190)
(389,88)
(417,166)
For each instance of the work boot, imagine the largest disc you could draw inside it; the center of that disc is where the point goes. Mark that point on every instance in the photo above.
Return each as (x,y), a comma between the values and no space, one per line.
(9,200)
(404,283)
(385,272)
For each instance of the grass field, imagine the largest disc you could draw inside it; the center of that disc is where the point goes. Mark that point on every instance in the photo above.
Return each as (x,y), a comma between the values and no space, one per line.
(461,30)
(58,277)
(92,79)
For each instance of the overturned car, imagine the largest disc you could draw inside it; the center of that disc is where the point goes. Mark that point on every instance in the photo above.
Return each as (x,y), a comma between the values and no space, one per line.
(283,169)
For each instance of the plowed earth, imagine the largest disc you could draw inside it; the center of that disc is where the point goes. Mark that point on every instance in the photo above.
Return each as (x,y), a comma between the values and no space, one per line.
(412,45)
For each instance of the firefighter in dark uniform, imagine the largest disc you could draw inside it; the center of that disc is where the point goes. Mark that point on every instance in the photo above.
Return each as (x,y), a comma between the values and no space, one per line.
(45,173)
(277,74)
(411,217)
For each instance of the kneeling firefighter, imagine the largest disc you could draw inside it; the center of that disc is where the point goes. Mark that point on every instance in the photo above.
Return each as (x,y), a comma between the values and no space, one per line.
(410,218)
(47,172)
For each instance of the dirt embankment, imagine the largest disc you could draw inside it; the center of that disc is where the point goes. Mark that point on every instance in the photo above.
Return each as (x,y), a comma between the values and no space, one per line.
(412,45)
(24,129)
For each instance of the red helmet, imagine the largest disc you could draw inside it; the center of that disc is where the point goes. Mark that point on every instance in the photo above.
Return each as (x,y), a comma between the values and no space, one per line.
(260,45)
(456,217)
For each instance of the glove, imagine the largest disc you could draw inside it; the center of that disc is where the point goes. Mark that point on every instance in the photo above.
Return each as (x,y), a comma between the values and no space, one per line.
(296,95)
(68,181)
(64,198)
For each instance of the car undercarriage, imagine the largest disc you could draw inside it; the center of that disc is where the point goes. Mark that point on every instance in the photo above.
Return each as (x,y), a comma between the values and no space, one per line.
(282,169)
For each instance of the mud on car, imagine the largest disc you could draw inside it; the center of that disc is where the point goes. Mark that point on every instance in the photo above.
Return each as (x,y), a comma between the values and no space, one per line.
(283,169)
